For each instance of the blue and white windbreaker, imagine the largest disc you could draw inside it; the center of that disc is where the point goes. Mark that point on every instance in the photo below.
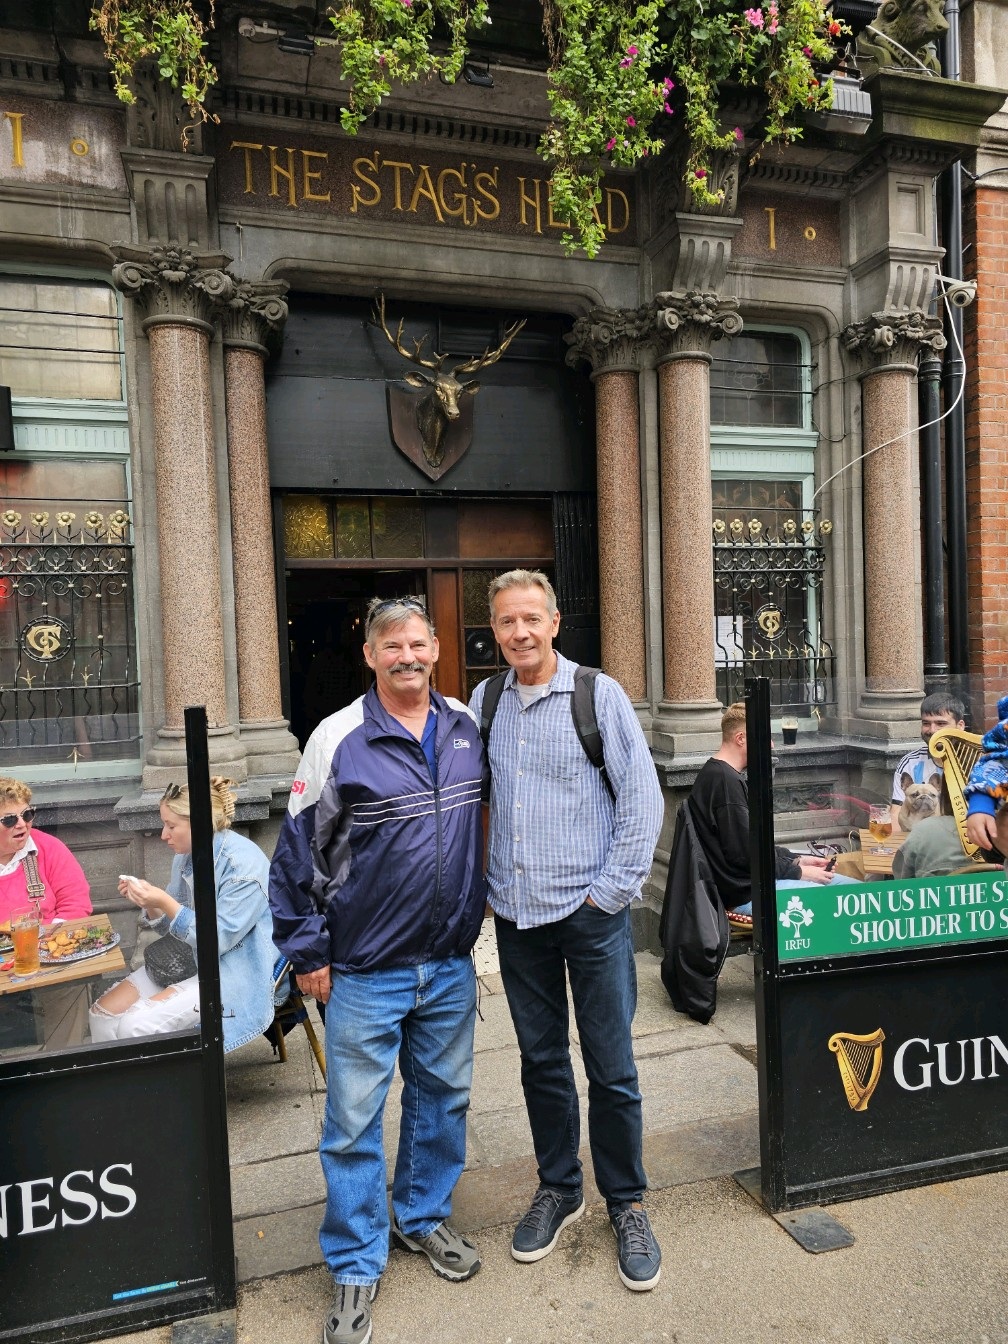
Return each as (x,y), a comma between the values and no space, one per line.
(374,866)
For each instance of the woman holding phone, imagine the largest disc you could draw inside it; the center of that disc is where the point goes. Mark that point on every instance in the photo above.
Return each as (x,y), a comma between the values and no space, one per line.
(153,999)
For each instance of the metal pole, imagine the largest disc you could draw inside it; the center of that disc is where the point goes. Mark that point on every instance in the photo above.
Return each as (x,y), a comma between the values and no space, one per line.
(211,1029)
(764,892)
(929,406)
(952,379)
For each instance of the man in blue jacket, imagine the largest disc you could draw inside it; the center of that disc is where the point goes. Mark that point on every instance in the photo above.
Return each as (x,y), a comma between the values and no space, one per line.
(566,858)
(377,895)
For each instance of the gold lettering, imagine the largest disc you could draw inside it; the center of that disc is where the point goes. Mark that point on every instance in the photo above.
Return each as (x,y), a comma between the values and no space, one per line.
(554,223)
(277,172)
(247,146)
(17,137)
(610,192)
(770,211)
(456,207)
(810,234)
(313,175)
(397,166)
(426,191)
(525,199)
(358,198)
(490,179)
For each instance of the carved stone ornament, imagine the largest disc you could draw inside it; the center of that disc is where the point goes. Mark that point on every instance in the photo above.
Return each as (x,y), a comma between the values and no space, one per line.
(689,324)
(672,194)
(904,34)
(173,284)
(159,119)
(253,314)
(893,339)
(610,339)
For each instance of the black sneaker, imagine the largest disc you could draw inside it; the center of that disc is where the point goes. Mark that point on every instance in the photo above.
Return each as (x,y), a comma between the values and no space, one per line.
(349,1318)
(549,1213)
(639,1252)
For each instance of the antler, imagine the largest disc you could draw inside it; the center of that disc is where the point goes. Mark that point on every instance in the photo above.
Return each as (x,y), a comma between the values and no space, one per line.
(415,356)
(489,356)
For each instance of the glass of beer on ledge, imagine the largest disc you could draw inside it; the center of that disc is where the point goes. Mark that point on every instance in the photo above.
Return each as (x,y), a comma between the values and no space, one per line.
(789,729)
(880,823)
(25,936)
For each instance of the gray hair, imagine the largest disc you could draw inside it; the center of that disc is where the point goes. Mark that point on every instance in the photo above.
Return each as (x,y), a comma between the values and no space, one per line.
(523,578)
(385,613)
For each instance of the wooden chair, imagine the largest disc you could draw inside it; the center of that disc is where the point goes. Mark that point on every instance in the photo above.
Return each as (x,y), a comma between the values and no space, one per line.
(289,1014)
(957,752)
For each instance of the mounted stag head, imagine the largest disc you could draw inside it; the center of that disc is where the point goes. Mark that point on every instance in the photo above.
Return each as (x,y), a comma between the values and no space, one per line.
(440,406)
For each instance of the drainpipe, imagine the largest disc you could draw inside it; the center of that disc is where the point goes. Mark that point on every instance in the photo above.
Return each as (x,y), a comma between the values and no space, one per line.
(929,409)
(952,376)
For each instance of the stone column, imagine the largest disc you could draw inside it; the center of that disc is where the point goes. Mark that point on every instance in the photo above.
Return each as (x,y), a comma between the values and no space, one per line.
(610,341)
(253,313)
(889,344)
(686,327)
(178,291)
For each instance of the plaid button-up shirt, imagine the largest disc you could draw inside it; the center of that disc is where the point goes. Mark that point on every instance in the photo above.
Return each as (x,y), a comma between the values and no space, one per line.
(556,836)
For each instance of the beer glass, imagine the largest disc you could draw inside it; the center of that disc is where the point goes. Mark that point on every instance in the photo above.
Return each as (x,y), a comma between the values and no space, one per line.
(25,936)
(880,823)
(789,729)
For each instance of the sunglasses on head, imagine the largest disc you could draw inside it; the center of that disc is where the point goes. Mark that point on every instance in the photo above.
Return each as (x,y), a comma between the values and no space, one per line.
(12,818)
(172,792)
(412,603)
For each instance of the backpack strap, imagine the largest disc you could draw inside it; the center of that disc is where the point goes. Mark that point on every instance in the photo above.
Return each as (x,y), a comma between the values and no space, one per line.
(34,883)
(586,721)
(488,708)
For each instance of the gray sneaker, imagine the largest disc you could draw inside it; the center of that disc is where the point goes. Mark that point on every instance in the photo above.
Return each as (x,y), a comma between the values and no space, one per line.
(349,1319)
(451,1255)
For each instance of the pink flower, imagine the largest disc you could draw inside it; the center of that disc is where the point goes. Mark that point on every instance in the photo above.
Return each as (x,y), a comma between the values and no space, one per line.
(772,26)
(668,109)
(738,134)
(631,51)
(630,121)
(610,144)
(755,17)
(700,173)
(626,61)
(668,84)
(807,51)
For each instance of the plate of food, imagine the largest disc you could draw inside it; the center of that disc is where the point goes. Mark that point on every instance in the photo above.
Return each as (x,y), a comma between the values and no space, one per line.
(60,944)
(6,941)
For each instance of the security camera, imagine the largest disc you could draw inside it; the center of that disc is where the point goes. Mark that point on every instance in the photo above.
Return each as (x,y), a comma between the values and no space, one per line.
(960,293)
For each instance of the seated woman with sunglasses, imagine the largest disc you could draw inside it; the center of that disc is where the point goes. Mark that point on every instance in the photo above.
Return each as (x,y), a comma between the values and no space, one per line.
(147,1002)
(34,865)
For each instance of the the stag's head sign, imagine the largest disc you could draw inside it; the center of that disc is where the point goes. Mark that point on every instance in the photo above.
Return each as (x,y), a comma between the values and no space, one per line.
(435,429)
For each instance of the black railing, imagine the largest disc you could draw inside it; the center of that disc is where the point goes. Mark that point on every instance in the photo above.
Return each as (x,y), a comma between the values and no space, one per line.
(69,688)
(769,566)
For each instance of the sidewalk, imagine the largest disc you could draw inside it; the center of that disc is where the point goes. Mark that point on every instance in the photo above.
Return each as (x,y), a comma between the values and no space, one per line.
(928,1264)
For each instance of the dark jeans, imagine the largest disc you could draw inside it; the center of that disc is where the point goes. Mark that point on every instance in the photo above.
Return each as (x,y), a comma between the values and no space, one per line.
(598,952)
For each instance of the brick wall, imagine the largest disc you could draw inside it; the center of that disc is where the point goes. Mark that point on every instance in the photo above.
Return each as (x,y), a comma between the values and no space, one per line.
(985,222)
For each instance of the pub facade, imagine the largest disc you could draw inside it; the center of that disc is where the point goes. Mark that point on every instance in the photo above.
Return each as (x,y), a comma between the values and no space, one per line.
(707,435)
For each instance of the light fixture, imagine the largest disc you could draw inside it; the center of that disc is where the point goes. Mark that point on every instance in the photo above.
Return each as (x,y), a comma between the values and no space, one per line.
(851,109)
(6,421)
(478,75)
(295,43)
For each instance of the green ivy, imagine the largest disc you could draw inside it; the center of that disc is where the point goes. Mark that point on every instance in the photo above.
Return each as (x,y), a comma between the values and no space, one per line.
(623,76)
(168,32)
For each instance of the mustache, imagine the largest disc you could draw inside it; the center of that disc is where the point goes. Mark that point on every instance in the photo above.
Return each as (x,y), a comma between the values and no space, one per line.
(407,667)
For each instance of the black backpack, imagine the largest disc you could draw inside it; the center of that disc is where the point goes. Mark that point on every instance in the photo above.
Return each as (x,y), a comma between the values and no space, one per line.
(582,714)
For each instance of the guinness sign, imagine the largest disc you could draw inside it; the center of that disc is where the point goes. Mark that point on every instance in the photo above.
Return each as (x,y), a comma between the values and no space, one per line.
(46,640)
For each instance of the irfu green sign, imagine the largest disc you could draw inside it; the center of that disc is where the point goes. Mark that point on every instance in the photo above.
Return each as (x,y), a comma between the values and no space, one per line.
(851,920)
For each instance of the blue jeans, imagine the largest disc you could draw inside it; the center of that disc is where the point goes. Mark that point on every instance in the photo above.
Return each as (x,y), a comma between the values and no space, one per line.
(597,951)
(424,1015)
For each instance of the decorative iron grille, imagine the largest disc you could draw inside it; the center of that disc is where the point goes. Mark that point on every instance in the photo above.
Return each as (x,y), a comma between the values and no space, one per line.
(768,579)
(69,689)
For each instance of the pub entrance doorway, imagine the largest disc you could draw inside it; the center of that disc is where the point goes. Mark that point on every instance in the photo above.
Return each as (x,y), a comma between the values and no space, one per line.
(340,551)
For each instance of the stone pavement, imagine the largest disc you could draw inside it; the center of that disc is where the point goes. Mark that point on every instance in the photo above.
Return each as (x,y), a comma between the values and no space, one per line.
(927,1265)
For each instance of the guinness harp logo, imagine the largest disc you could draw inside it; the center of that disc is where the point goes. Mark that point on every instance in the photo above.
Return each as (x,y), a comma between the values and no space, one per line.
(859,1059)
(46,640)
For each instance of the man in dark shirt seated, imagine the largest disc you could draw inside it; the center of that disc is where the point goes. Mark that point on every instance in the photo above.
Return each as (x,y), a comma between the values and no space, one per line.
(719,803)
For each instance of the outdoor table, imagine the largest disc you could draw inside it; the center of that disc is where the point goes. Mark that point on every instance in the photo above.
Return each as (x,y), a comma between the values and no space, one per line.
(87,969)
(864,862)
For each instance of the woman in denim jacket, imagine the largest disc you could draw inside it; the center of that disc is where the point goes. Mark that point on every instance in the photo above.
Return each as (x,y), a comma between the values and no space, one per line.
(137,1006)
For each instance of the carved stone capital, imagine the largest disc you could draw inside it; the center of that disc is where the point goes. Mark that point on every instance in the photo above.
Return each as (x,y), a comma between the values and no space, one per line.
(894,339)
(687,325)
(673,195)
(610,339)
(174,285)
(253,314)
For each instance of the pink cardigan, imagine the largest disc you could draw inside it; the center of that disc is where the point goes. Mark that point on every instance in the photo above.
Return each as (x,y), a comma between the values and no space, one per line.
(67,894)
